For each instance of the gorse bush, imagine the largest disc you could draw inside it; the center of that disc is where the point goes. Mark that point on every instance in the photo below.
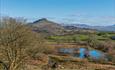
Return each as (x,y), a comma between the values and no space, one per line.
(92,41)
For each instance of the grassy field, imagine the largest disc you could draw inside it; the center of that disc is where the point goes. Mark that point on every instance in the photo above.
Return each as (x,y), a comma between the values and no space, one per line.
(81,37)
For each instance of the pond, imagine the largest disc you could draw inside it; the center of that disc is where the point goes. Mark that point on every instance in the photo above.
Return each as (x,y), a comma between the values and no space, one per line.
(96,54)
(83,53)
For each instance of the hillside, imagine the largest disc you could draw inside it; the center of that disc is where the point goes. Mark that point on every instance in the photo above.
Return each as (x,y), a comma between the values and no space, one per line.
(48,27)
(45,26)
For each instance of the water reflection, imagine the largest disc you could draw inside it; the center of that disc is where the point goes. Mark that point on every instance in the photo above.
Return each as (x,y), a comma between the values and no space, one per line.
(82,53)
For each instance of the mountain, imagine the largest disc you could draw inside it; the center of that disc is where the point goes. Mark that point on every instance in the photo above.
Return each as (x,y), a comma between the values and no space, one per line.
(105,28)
(71,29)
(45,26)
(99,28)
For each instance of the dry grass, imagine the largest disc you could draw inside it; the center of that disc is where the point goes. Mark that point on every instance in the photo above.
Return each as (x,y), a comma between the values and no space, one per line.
(78,67)
(73,64)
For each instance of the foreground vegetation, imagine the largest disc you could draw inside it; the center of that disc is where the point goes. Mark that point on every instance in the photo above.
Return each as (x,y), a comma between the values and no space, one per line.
(18,43)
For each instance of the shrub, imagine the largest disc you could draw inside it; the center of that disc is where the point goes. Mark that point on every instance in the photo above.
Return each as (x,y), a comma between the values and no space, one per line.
(92,41)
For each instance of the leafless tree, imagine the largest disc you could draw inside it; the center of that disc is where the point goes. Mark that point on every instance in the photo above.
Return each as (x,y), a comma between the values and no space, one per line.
(16,40)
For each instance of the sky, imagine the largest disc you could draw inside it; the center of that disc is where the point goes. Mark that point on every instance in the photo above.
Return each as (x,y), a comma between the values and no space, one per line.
(91,12)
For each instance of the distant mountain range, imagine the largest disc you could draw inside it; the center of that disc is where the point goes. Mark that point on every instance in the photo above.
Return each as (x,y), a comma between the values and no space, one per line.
(99,28)
(52,28)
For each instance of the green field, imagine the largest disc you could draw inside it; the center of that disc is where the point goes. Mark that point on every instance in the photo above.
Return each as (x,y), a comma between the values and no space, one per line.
(81,37)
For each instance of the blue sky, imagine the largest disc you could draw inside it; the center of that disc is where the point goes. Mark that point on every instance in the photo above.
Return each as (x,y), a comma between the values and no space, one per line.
(91,12)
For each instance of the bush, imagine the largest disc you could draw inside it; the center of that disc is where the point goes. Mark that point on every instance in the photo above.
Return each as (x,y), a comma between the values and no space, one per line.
(92,41)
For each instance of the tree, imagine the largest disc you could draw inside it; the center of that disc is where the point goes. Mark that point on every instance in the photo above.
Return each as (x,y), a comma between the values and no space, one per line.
(16,40)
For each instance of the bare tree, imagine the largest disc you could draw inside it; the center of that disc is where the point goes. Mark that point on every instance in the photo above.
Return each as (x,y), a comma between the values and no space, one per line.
(15,41)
